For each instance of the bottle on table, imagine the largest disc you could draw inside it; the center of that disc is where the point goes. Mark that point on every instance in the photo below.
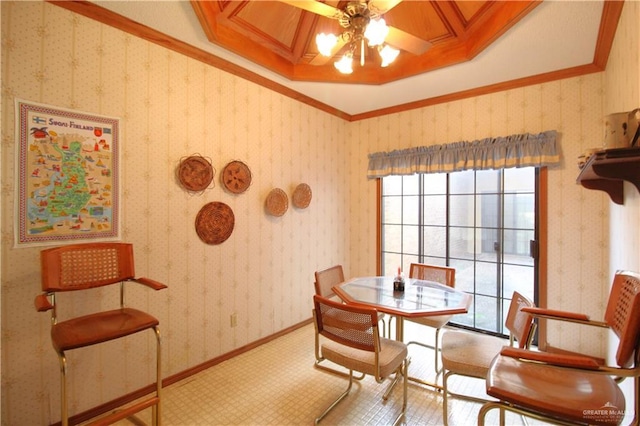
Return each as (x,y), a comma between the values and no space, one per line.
(398,281)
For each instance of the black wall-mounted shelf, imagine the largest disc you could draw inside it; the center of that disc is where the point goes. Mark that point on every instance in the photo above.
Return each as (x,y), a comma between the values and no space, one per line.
(608,169)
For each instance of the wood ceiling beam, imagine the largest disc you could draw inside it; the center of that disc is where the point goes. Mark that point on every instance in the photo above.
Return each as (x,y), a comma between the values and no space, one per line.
(304,36)
(608,25)
(450,14)
(491,26)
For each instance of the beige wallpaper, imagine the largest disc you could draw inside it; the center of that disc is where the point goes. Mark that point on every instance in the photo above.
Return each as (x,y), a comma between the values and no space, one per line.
(173,106)
(623,94)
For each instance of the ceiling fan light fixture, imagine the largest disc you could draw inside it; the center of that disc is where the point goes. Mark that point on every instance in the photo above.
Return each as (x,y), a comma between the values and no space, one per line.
(326,43)
(388,55)
(376,32)
(358,22)
(345,64)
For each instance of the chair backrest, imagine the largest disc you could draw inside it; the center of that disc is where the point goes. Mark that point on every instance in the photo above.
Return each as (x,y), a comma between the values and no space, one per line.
(83,266)
(520,324)
(623,315)
(328,278)
(440,274)
(349,325)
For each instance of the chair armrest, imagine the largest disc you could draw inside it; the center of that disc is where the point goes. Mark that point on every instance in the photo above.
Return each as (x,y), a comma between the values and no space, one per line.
(156,285)
(42,303)
(560,360)
(575,362)
(563,316)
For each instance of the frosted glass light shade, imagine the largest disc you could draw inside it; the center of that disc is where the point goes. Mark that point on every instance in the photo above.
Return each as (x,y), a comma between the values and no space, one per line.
(326,43)
(344,65)
(388,55)
(376,32)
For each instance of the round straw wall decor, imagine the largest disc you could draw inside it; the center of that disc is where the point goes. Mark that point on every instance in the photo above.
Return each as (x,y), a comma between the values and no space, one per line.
(236,177)
(214,223)
(301,196)
(195,173)
(277,202)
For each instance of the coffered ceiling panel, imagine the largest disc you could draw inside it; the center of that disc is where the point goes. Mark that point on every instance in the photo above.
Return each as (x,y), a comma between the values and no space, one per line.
(280,35)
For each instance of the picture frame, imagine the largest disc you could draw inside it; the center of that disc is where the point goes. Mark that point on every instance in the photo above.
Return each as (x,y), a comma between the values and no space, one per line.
(68,176)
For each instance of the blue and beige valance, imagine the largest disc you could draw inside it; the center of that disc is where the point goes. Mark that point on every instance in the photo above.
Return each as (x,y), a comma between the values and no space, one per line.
(491,153)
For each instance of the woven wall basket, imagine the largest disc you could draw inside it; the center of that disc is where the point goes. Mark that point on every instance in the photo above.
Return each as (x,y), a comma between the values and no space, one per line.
(195,173)
(236,177)
(215,222)
(301,196)
(277,202)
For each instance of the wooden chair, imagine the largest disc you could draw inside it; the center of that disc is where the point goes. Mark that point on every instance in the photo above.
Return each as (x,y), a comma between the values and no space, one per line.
(573,389)
(80,267)
(326,279)
(469,354)
(443,275)
(353,341)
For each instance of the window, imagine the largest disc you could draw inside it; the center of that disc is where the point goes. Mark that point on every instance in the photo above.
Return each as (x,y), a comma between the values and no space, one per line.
(483,223)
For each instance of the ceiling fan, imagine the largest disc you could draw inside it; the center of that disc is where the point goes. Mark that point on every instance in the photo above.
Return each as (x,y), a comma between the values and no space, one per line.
(354,18)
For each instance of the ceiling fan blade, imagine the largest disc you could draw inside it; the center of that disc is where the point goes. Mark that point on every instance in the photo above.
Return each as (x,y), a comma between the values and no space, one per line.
(383,6)
(316,7)
(321,59)
(405,41)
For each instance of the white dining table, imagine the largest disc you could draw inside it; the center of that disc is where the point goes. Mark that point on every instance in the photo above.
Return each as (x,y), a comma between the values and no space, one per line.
(420,298)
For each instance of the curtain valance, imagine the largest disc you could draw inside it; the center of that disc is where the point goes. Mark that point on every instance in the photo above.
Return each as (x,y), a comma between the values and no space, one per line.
(490,153)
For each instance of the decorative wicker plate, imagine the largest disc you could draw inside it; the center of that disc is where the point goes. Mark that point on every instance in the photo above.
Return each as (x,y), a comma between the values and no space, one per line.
(236,177)
(214,223)
(195,173)
(301,196)
(277,202)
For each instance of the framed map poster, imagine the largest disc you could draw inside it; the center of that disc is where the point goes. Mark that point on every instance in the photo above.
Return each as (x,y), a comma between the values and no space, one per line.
(68,176)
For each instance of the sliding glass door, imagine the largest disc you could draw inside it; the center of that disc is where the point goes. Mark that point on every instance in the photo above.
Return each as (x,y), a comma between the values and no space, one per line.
(483,223)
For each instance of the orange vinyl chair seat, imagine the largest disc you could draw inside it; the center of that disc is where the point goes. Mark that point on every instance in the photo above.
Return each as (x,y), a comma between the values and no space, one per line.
(99,327)
(559,392)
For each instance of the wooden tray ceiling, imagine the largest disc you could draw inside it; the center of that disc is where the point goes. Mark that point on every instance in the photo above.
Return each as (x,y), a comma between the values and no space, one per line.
(281,37)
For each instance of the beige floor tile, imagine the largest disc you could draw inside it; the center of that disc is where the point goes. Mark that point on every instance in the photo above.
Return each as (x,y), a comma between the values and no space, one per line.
(276,384)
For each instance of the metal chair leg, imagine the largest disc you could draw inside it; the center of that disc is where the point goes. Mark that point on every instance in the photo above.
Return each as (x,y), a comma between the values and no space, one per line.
(393,383)
(156,411)
(435,348)
(337,401)
(445,400)
(403,371)
(64,413)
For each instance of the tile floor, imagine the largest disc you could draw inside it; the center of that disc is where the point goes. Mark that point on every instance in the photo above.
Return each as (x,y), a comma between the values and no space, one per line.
(276,384)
